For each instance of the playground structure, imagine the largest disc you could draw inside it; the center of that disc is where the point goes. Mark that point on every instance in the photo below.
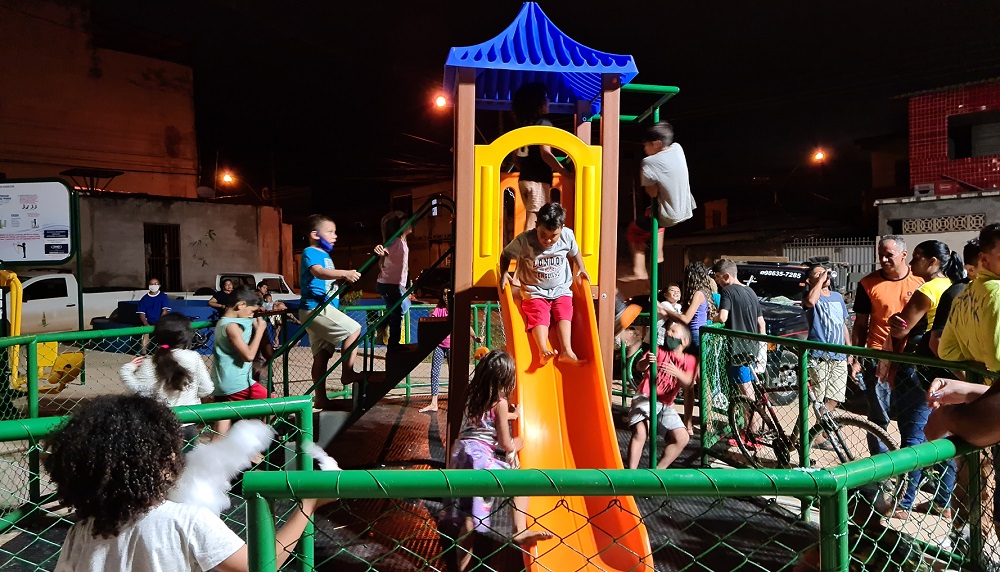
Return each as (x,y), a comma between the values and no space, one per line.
(578,489)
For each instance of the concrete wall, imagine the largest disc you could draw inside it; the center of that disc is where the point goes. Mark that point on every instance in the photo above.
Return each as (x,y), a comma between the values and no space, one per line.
(67,104)
(890,213)
(214,238)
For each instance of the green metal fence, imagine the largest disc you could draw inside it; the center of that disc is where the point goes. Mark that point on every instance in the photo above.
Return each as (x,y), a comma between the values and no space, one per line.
(33,524)
(680,509)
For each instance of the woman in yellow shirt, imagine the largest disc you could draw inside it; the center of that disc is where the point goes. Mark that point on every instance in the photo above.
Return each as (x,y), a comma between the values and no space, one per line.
(933,261)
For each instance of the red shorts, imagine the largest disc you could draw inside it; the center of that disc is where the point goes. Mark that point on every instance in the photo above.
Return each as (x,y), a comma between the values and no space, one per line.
(539,311)
(638,235)
(255,391)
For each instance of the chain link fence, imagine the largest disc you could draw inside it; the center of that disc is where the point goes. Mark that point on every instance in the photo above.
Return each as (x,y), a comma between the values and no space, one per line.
(33,524)
(689,519)
(755,412)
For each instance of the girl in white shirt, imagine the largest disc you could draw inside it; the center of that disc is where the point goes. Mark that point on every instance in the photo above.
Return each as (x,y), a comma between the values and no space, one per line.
(175,374)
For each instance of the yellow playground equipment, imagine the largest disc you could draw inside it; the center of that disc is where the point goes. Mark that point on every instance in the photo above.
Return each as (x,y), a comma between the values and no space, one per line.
(55,370)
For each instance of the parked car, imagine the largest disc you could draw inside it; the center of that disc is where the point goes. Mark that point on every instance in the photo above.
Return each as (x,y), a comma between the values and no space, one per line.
(49,301)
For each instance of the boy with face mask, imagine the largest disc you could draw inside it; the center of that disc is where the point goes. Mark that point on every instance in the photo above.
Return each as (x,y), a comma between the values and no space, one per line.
(331,328)
(674,371)
(153,304)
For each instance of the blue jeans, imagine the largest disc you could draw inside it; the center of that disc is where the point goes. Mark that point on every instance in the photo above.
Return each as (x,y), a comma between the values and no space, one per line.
(877,395)
(909,404)
(391,293)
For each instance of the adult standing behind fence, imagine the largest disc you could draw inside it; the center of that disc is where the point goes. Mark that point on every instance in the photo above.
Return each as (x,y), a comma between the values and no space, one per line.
(740,310)
(940,268)
(880,295)
(972,334)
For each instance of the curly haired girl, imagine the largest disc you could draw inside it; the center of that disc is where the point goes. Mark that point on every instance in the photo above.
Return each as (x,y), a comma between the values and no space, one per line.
(114,463)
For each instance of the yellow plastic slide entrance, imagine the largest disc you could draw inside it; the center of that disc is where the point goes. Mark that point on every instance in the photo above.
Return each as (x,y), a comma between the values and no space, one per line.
(488,203)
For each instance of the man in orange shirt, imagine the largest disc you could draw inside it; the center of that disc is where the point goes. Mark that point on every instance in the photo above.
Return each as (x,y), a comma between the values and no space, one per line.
(880,295)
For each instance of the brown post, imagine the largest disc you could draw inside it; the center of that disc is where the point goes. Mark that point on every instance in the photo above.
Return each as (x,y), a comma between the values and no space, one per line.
(583,127)
(461,316)
(607,277)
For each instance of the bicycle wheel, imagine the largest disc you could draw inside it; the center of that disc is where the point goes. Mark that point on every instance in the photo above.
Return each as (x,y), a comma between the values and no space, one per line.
(849,440)
(755,434)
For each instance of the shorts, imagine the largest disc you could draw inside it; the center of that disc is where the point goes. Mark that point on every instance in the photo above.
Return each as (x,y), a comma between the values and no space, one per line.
(740,374)
(539,311)
(255,391)
(829,378)
(534,194)
(668,417)
(329,329)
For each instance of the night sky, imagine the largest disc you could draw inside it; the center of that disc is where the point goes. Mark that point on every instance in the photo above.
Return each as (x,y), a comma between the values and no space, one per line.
(337,95)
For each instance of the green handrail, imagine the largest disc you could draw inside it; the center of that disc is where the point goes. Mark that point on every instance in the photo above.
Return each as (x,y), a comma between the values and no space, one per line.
(425,209)
(371,330)
(972,367)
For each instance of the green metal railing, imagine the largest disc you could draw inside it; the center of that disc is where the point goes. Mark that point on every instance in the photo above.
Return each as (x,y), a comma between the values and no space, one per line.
(292,416)
(426,209)
(833,487)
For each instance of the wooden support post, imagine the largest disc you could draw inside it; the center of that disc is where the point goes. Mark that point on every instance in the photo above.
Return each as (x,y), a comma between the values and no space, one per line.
(583,127)
(607,273)
(461,312)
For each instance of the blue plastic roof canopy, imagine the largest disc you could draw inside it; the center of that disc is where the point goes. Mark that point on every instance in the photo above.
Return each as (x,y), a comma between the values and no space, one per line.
(533,49)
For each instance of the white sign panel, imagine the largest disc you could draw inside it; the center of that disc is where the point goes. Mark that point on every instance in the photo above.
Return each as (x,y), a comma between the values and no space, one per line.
(34,222)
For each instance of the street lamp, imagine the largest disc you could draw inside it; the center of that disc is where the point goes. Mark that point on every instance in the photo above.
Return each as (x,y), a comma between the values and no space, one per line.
(228,178)
(819,156)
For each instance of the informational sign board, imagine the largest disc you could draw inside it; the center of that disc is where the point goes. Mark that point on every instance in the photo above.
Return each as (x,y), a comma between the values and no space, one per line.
(35,219)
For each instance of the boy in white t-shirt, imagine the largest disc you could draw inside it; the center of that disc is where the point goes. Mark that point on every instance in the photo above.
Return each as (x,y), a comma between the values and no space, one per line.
(664,175)
(543,256)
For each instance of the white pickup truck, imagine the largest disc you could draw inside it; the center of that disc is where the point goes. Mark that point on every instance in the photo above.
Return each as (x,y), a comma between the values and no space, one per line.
(49,302)
(276,286)
(50,299)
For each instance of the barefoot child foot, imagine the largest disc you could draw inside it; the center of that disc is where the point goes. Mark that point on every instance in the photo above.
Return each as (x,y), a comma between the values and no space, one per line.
(548,354)
(569,357)
(531,537)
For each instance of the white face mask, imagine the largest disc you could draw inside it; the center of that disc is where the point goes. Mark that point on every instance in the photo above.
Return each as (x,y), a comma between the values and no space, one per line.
(154,287)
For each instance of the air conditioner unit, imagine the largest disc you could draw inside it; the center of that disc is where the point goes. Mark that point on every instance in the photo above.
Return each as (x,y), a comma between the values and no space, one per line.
(923,190)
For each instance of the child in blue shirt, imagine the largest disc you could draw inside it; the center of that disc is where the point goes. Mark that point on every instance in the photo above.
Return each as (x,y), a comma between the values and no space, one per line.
(153,304)
(331,328)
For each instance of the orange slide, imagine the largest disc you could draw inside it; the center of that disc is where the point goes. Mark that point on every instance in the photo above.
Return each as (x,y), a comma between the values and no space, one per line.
(566,424)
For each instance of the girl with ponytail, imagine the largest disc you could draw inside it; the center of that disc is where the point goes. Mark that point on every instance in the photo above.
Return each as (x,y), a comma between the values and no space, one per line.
(175,375)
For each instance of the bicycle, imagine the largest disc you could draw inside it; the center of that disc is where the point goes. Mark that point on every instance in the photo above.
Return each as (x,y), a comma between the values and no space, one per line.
(757,428)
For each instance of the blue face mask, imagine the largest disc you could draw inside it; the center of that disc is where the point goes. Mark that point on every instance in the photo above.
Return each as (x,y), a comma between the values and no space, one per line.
(325,245)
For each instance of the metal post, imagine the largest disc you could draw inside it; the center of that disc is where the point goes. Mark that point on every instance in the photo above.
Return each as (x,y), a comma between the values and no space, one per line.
(833,541)
(306,552)
(626,371)
(803,378)
(284,357)
(489,325)
(34,464)
(261,535)
(654,314)
(976,532)
(406,340)
(703,390)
